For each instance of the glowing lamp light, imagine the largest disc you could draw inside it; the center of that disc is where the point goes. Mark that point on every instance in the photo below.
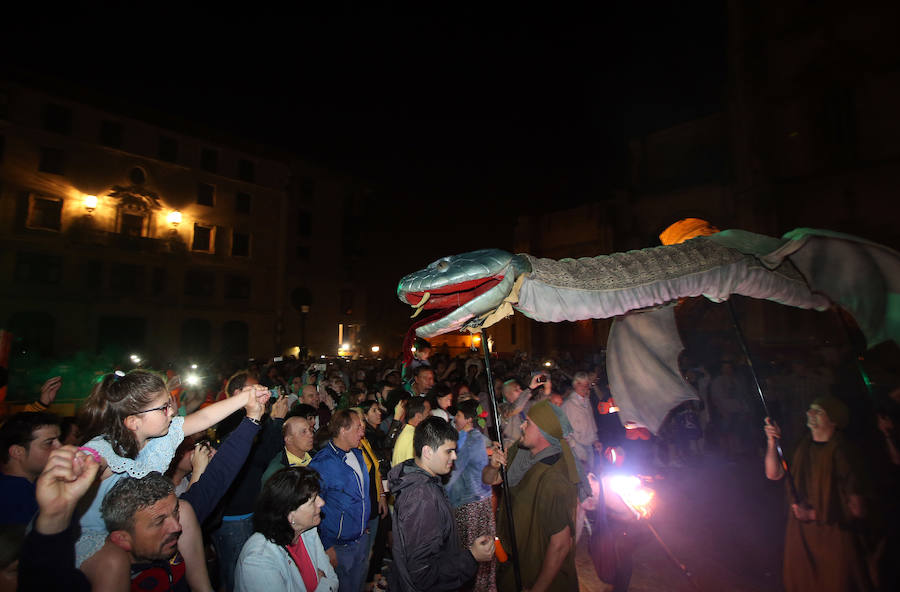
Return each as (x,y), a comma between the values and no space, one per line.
(192,379)
(90,202)
(136,358)
(193,366)
(345,346)
(476,339)
(174,218)
(375,349)
(548,363)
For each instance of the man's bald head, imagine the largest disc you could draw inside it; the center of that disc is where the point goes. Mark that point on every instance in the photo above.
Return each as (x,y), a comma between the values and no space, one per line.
(298,435)
(309,395)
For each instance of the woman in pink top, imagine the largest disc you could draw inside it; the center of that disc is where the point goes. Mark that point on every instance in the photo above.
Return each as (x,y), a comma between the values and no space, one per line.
(285,552)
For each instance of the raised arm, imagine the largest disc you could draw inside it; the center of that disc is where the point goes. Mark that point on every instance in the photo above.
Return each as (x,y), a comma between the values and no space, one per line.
(222,470)
(490,474)
(47,559)
(210,415)
(774,469)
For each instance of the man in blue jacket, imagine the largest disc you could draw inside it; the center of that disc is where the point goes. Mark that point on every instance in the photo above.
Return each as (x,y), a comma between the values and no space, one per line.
(344,484)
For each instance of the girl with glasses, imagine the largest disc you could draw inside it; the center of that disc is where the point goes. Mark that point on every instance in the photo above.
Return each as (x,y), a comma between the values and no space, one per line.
(130,421)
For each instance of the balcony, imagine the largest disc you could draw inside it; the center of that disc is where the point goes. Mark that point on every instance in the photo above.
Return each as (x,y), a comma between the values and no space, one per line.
(86,236)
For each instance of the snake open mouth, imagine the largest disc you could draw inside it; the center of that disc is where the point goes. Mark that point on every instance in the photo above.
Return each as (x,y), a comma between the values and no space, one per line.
(451,296)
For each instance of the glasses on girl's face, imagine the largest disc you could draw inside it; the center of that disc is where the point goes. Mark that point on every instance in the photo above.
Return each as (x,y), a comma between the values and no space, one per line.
(169,405)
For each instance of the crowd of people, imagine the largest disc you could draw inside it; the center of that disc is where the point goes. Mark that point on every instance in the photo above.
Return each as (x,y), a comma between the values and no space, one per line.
(372,474)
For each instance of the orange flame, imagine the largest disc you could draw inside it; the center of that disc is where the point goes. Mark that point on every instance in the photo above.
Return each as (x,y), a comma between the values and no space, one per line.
(638,498)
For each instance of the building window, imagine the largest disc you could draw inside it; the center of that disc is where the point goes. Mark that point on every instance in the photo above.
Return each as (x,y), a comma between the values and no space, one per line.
(33,333)
(304,223)
(132,224)
(204,238)
(53,160)
(206,194)
(111,133)
(237,287)
(93,275)
(126,279)
(200,283)
(235,338)
(242,202)
(307,188)
(158,281)
(240,244)
(209,160)
(44,213)
(246,171)
(57,119)
(137,176)
(38,268)
(196,337)
(117,334)
(168,149)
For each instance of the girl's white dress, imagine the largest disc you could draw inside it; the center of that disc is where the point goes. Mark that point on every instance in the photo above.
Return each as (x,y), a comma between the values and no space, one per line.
(156,455)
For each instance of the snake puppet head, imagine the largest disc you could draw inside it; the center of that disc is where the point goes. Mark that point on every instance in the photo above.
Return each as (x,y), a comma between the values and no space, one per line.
(463,287)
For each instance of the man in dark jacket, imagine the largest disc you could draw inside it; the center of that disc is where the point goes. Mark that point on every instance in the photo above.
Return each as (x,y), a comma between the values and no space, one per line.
(427,552)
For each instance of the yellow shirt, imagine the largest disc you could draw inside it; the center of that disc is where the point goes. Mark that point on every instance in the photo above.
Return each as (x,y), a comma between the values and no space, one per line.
(403,446)
(369,455)
(296,461)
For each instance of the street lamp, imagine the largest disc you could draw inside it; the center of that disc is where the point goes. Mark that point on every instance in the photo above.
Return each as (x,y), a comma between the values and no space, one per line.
(174,218)
(90,203)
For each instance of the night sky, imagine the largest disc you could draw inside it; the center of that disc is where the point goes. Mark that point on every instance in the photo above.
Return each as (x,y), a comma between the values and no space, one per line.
(460,122)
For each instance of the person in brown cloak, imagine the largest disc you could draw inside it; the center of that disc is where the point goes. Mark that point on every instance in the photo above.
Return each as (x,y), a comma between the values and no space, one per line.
(543,486)
(822,552)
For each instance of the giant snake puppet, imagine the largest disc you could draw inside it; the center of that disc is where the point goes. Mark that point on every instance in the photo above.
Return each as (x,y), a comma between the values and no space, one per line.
(806,268)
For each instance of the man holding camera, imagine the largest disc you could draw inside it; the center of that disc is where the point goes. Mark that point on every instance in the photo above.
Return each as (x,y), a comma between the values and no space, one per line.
(517,402)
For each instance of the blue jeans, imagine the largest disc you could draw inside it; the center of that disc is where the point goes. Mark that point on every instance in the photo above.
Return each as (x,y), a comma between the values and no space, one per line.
(373,531)
(353,564)
(229,539)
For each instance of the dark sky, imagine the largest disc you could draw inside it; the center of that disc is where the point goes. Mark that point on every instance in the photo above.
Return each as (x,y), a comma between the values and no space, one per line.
(458,98)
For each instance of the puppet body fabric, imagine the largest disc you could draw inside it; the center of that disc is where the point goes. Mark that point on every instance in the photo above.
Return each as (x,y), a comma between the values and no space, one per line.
(811,269)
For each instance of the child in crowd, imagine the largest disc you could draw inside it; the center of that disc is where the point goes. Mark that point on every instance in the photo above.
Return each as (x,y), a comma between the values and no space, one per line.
(130,420)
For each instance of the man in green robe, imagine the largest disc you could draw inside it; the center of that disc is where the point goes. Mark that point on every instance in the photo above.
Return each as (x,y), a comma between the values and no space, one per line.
(543,483)
(821,550)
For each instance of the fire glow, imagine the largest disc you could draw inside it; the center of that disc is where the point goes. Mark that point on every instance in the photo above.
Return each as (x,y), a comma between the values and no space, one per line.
(633,493)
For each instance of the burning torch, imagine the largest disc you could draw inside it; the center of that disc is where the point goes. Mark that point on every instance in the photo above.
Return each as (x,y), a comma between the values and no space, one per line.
(639,500)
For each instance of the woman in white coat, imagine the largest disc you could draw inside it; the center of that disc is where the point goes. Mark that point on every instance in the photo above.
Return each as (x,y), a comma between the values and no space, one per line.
(285,552)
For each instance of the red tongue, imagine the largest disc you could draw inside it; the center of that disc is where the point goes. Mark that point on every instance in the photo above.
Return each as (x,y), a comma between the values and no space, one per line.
(455,295)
